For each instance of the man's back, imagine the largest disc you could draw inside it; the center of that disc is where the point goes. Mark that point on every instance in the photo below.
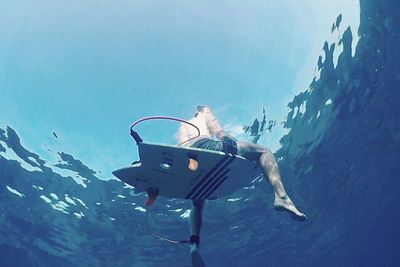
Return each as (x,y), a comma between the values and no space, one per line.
(206,123)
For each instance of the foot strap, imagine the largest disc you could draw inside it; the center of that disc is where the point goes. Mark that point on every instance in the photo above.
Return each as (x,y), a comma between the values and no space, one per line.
(195,239)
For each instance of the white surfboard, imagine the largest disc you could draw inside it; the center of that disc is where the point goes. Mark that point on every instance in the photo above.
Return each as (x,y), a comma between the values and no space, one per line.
(188,173)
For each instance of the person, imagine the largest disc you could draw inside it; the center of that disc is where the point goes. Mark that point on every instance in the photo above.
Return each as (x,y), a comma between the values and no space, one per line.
(210,130)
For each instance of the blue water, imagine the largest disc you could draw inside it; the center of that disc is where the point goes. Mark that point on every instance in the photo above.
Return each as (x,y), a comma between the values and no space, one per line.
(340,161)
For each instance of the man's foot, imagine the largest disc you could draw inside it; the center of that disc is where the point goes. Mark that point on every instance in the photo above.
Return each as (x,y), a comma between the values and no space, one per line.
(285,204)
(197,261)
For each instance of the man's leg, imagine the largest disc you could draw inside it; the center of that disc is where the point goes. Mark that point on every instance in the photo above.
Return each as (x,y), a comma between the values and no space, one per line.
(195,219)
(271,171)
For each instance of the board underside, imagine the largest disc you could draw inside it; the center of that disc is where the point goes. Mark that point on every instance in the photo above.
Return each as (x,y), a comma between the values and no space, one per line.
(188,173)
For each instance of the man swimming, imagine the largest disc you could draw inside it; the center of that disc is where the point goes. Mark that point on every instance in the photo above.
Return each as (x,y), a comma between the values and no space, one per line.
(210,130)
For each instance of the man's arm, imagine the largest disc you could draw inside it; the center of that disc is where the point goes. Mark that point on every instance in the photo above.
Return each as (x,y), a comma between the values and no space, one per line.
(215,127)
(229,143)
(221,134)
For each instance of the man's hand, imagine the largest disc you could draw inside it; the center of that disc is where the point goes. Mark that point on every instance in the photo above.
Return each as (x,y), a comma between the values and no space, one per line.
(229,145)
(222,134)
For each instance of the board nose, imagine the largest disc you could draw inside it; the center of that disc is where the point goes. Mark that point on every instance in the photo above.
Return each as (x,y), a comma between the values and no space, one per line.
(125,172)
(120,173)
(116,173)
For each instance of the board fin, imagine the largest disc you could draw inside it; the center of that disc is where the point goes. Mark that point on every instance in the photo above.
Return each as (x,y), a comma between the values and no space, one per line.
(152,194)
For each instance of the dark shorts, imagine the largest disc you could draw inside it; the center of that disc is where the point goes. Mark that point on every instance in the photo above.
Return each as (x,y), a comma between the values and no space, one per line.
(209,144)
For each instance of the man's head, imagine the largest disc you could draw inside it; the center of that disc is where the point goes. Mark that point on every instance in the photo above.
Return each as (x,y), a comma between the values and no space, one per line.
(201,109)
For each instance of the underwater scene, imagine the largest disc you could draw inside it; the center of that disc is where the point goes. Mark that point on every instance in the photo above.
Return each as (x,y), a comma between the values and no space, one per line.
(316,82)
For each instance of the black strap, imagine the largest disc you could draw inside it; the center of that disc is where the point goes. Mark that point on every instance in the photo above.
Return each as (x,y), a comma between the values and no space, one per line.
(229,145)
(136,136)
(195,239)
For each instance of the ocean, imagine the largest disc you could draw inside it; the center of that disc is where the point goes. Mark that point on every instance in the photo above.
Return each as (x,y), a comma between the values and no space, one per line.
(340,163)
